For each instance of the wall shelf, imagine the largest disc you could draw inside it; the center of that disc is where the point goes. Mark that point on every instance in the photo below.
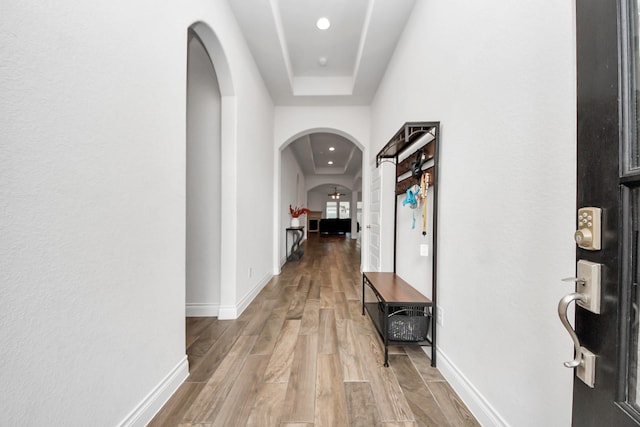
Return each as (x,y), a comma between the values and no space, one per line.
(409,133)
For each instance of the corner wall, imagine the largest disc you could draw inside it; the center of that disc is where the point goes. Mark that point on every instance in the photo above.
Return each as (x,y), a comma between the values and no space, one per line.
(501,80)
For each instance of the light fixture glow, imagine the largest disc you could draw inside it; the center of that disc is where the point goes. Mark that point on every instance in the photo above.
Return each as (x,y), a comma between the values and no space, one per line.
(332,148)
(323,23)
(335,195)
(330,162)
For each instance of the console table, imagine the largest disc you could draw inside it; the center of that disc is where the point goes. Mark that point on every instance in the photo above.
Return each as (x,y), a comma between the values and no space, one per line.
(296,251)
(400,313)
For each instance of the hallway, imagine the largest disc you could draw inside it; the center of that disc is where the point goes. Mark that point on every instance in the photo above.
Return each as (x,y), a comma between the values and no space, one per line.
(302,354)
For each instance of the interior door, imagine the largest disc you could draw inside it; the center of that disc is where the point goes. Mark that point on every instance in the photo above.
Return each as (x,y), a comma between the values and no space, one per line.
(373,224)
(609,178)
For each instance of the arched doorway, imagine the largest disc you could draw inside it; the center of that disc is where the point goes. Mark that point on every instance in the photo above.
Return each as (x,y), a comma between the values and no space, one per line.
(301,183)
(211,117)
(203,182)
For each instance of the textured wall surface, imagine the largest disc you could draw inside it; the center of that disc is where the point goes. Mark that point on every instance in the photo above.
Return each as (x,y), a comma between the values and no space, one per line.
(92,201)
(92,250)
(503,87)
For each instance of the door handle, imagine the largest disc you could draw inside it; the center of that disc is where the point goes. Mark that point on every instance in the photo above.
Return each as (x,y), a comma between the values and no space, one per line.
(562,312)
(588,296)
(584,359)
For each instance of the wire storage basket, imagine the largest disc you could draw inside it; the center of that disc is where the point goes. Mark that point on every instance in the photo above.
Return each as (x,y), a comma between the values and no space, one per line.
(408,323)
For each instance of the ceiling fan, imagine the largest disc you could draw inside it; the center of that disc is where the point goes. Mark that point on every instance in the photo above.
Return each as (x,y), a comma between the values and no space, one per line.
(335,194)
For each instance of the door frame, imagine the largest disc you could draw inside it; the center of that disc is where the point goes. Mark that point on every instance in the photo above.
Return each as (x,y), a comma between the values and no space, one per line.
(603,106)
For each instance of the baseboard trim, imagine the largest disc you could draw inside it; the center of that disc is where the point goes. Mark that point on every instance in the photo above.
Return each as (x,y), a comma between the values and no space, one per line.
(202,310)
(153,402)
(229,312)
(475,401)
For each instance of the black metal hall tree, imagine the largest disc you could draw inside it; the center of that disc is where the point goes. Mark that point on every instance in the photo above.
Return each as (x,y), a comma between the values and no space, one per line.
(418,144)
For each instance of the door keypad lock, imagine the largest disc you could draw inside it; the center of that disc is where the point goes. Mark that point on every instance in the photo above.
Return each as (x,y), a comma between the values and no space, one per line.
(588,234)
(587,292)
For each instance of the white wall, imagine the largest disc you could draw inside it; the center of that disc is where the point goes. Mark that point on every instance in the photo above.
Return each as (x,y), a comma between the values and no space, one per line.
(410,264)
(349,122)
(314,181)
(255,175)
(203,184)
(92,217)
(317,201)
(503,86)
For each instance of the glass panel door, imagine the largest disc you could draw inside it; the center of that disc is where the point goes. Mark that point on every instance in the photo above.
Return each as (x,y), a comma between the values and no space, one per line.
(631,84)
(630,284)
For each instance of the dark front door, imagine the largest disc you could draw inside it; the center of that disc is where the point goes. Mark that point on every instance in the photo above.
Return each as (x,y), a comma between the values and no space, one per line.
(609,179)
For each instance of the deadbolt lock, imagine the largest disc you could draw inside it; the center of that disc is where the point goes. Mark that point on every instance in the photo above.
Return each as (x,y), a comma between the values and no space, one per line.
(588,234)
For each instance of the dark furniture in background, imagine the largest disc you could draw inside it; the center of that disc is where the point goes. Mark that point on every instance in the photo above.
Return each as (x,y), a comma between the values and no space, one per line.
(335,226)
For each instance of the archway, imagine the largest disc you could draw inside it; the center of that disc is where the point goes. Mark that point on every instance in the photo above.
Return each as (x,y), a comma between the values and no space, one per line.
(203,183)
(210,120)
(296,187)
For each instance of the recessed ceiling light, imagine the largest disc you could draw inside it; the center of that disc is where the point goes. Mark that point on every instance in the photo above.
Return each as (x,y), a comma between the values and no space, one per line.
(332,148)
(330,162)
(323,23)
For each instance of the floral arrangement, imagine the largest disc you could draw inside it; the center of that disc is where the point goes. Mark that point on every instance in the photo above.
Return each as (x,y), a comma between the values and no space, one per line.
(296,212)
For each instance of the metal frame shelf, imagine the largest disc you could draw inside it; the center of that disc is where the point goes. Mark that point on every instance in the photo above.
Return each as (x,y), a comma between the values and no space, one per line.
(405,143)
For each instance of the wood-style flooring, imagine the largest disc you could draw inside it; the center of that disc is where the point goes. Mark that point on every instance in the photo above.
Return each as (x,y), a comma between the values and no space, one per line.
(303,355)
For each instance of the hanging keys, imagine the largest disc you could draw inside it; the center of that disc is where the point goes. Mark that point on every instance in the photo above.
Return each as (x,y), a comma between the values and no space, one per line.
(424,188)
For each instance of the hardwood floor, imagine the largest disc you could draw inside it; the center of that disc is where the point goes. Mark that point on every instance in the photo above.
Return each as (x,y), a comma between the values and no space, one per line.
(302,354)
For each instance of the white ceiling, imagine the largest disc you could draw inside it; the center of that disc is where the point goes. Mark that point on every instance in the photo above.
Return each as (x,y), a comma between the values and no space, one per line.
(287,47)
(314,153)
